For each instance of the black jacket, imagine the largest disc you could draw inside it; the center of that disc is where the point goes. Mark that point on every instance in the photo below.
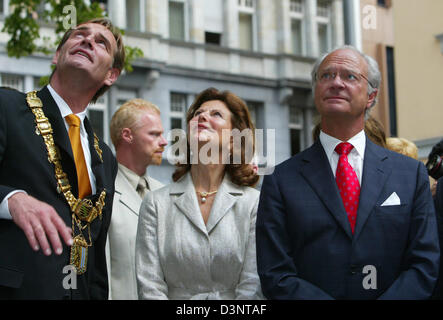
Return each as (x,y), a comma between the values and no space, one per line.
(25,274)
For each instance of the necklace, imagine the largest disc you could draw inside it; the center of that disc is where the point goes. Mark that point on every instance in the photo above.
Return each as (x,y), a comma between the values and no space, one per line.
(204,194)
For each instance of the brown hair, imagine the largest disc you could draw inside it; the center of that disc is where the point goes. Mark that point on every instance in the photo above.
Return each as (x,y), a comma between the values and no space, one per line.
(240,174)
(375,131)
(403,146)
(119,54)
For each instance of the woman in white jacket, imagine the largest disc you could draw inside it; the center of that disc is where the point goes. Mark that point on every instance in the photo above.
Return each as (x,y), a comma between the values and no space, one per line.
(196,236)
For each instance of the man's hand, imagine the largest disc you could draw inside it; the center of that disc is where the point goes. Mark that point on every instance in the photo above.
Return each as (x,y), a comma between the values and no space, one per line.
(39,221)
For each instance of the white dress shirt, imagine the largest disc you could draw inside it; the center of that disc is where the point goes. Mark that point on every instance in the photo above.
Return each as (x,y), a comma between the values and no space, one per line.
(64,110)
(355,157)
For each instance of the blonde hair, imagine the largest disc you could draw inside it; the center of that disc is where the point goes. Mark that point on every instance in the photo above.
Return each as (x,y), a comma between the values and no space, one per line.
(403,146)
(128,115)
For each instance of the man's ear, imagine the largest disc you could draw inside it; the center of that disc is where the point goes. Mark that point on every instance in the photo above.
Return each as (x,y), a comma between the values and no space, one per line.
(55,57)
(127,135)
(371,98)
(111,76)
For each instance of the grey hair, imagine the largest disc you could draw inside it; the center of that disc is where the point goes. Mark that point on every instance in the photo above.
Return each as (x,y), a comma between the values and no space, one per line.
(374,75)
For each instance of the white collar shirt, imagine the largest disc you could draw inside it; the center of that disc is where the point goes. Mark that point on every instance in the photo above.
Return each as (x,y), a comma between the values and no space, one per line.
(132,177)
(65,110)
(355,157)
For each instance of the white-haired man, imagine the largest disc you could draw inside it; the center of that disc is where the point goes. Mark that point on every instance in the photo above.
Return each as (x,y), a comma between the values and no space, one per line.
(347,219)
(137,134)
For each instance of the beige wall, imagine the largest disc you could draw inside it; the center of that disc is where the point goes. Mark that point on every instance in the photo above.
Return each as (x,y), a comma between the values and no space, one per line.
(418,68)
(374,43)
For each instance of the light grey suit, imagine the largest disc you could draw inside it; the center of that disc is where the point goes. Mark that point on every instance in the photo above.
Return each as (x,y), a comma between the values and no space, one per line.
(120,245)
(179,257)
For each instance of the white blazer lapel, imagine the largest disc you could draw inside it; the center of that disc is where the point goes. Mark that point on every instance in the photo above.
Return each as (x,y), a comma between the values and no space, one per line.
(223,202)
(186,201)
(128,196)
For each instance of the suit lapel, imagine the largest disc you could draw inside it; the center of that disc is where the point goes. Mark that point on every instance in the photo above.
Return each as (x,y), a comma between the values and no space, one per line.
(224,200)
(317,171)
(128,196)
(187,201)
(60,135)
(375,174)
(96,163)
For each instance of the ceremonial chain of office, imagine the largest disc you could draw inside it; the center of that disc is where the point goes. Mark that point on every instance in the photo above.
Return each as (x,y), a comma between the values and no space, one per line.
(82,210)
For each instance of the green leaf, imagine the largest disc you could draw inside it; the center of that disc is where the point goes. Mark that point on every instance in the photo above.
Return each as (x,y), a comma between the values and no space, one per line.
(23,26)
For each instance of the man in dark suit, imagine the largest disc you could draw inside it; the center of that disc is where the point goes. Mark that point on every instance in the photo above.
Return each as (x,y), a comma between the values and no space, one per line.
(56,186)
(347,219)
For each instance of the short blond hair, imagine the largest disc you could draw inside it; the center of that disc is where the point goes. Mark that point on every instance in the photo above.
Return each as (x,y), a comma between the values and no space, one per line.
(403,146)
(128,115)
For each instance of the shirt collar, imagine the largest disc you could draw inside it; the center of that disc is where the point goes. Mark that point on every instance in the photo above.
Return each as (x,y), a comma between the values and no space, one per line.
(329,143)
(64,108)
(132,177)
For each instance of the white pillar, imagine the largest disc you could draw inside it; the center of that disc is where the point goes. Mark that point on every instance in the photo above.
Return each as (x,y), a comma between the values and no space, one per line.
(338,36)
(231,23)
(283,27)
(197,21)
(117,13)
(311,28)
(352,23)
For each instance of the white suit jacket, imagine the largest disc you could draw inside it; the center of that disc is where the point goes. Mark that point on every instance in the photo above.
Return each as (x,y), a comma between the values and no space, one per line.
(179,257)
(120,245)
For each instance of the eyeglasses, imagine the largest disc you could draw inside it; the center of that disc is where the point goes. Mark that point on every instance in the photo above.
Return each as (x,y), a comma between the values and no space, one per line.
(347,76)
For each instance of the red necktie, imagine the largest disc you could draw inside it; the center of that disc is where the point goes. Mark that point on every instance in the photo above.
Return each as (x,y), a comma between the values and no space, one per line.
(347,182)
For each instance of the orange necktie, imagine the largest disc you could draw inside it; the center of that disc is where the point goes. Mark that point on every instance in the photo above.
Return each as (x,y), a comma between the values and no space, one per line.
(84,186)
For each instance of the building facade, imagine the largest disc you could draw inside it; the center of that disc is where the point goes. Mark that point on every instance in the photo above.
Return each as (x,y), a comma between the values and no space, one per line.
(418,29)
(406,38)
(261,50)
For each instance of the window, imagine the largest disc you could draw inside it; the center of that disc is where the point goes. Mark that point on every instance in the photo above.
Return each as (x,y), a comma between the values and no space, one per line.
(296,6)
(246,24)
(391,90)
(178,109)
(324,25)
(4,7)
(246,3)
(12,81)
(296,36)
(256,111)
(246,31)
(323,8)
(98,117)
(135,15)
(213,23)
(212,38)
(323,39)
(177,20)
(296,13)
(296,129)
(37,85)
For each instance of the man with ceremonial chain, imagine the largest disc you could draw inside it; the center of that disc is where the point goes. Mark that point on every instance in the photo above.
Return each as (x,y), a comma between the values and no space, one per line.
(56,177)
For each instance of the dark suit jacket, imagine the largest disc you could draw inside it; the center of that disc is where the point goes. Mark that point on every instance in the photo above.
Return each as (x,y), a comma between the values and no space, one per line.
(305,247)
(438,201)
(25,274)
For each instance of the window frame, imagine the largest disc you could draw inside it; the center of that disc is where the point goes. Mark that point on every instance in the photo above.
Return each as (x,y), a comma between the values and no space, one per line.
(185,20)
(300,17)
(252,11)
